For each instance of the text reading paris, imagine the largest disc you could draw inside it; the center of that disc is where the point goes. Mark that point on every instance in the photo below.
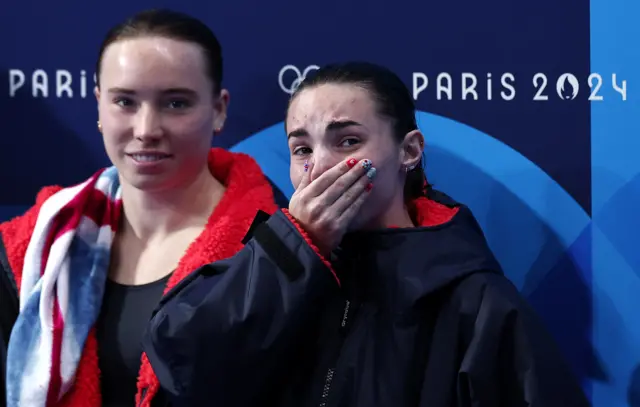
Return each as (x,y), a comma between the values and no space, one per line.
(467,86)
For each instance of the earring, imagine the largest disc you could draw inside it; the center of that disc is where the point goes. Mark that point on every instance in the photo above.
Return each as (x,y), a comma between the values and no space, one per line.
(409,167)
(217,130)
(99,126)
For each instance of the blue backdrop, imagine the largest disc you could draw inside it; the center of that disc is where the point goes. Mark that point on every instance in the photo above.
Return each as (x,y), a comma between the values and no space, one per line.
(530,111)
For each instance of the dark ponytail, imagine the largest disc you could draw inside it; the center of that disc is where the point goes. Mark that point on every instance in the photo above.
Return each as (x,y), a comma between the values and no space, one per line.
(416,183)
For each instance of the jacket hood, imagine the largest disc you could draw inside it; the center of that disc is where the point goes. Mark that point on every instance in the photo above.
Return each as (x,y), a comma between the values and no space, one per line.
(407,264)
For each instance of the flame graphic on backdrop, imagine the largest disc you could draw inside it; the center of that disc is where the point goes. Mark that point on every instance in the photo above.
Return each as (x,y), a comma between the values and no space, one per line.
(570,92)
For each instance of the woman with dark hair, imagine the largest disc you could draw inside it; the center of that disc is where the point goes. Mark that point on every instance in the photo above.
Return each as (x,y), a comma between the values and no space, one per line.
(84,268)
(372,290)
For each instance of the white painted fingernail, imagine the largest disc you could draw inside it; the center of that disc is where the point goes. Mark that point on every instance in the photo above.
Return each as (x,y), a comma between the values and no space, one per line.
(371,173)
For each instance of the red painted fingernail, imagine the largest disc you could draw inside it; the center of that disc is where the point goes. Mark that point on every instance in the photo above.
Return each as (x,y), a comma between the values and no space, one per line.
(351,162)
(369,187)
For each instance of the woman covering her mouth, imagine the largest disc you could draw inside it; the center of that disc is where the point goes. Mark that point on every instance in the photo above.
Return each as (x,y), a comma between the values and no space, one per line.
(374,289)
(84,268)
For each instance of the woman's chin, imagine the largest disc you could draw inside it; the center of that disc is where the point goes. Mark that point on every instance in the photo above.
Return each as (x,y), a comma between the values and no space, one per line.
(144,182)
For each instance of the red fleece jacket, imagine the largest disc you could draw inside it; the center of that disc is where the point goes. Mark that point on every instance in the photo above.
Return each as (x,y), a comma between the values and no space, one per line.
(247,191)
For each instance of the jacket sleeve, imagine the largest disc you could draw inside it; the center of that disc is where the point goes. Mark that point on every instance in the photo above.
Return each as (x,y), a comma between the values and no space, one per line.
(225,335)
(512,359)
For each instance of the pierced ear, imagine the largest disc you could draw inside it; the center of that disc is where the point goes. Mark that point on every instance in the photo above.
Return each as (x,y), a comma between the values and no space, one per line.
(220,106)
(96,93)
(412,148)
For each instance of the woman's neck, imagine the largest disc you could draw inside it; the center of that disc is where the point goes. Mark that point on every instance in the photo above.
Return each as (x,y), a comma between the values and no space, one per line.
(155,215)
(397,216)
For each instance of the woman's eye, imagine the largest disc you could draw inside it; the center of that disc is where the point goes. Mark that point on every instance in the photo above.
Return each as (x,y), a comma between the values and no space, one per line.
(348,142)
(302,151)
(123,102)
(178,104)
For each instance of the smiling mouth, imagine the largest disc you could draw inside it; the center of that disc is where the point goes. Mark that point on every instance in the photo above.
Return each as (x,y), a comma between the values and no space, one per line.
(148,157)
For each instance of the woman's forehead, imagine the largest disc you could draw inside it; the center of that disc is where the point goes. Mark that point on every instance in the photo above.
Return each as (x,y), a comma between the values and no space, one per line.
(156,61)
(331,103)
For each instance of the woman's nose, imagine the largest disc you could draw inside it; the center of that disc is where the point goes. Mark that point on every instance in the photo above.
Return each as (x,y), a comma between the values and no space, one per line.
(147,124)
(322,161)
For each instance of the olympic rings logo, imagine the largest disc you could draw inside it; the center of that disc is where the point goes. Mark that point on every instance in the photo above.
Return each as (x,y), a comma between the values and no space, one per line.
(299,77)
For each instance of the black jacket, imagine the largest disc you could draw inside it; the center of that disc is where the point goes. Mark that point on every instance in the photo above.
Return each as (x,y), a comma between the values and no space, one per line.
(423,318)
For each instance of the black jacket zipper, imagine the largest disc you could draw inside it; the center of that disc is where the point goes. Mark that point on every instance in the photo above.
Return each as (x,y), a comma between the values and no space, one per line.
(331,372)
(327,386)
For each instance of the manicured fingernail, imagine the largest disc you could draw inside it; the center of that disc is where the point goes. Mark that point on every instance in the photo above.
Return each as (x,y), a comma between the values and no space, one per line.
(366,164)
(369,187)
(351,162)
(306,166)
(371,173)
